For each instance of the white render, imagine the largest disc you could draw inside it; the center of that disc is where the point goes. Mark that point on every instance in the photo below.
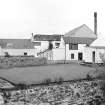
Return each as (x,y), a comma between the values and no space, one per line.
(19,52)
(59,54)
(65,54)
(88,54)
(44,45)
(98,46)
(75,52)
(54,54)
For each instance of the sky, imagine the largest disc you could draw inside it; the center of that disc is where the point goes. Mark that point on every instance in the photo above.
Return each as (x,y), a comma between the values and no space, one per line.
(20,18)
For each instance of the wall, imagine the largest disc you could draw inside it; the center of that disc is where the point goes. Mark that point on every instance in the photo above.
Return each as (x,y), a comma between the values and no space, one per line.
(88,54)
(45,44)
(17,52)
(59,54)
(47,54)
(75,52)
(54,54)
(98,51)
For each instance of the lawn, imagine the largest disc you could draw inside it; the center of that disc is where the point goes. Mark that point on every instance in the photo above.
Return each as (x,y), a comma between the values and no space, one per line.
(31,75)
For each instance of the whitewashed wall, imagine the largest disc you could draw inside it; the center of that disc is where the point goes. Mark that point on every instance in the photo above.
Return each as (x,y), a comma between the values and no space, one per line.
(88,54)
(44,45)
(58,54)
(17,52)
(75,52)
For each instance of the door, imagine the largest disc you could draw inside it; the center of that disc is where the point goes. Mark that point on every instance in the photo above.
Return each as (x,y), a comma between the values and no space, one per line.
(80,56)
(93,56)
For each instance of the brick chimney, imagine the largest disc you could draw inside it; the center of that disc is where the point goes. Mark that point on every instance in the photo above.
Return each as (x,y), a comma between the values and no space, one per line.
(95,23)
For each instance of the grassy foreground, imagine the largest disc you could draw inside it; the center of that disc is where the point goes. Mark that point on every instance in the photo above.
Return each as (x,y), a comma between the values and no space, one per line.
(31,75)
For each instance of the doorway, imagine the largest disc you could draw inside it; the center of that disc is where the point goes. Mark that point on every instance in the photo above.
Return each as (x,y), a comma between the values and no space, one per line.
(93,56)
(80,56)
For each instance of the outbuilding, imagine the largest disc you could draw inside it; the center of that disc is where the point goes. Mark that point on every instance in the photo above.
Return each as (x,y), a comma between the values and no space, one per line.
(17,47)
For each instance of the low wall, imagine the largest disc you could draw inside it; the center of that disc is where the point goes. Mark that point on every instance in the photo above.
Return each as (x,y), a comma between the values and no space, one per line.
(21,61)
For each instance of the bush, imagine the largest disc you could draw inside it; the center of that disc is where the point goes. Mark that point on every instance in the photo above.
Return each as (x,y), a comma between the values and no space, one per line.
(47,81)
(102,87)
(89,77)
(21,86)
(59,80)
(7,54)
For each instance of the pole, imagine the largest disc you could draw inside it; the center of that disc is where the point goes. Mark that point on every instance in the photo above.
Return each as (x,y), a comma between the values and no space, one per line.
(65,53)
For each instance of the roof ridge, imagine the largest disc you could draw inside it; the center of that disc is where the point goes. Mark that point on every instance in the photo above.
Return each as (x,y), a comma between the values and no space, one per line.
(12,39)
(76,29)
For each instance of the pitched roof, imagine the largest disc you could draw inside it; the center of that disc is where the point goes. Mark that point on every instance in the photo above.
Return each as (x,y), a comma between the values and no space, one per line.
(39,37)
(16,44)
(82,34)
(98,43)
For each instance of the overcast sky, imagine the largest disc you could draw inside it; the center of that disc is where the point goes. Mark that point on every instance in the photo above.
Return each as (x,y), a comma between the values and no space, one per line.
(20,18)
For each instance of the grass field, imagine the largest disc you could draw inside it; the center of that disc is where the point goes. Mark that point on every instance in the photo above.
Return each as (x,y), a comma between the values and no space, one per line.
(31,75)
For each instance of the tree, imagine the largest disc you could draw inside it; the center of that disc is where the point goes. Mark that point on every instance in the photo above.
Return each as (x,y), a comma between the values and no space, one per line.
(50,47)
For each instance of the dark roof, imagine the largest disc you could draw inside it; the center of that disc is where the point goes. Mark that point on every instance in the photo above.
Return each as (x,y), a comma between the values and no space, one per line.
(16,44)
(82,34)
(54,37)
(78,40)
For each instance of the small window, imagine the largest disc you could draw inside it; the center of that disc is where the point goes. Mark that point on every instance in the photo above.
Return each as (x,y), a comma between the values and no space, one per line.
(87,45)
(73,46)
(72,56)
(57,45)
(37,43)
(25,53)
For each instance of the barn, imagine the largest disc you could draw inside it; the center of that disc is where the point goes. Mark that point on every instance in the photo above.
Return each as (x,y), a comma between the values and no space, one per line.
(95,50)
(41,41)
(74,45)
(77,41)
(17,47)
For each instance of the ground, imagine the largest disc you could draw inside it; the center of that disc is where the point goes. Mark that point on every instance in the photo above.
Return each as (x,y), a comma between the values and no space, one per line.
(36,74)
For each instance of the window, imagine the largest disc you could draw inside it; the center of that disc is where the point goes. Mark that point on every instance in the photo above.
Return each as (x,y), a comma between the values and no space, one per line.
(87,45)
(37,43)
(25,53)
(57,45)
(72,56)
(73,46)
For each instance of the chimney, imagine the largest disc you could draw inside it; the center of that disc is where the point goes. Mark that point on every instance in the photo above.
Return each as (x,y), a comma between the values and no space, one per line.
(95,23)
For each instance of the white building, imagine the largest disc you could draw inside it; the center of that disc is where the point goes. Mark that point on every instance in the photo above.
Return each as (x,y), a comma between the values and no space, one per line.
(41,42)
(74,47)
(95,50)
(76,41)
(80,44)
(17,47)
